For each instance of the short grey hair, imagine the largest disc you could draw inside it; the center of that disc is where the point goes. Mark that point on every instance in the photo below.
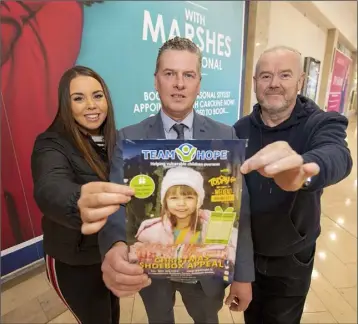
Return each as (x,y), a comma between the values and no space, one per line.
(282,48)
(179,44)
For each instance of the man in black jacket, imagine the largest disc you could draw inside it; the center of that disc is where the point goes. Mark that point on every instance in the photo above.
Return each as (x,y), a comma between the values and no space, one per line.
(295,150)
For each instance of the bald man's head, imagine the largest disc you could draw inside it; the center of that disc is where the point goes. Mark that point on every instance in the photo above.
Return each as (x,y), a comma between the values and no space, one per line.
(282,50)
(278,78)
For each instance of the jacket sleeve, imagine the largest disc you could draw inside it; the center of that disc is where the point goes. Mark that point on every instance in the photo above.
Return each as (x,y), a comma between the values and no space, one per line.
(233,133)
(115,228)
(244,264)
(328,148)
(55,190)
(244,260)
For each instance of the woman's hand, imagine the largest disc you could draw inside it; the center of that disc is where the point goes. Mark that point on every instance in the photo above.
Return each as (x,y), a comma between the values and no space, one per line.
(98,201)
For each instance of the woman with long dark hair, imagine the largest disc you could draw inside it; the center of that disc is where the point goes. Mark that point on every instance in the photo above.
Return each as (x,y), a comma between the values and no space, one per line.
(75,150)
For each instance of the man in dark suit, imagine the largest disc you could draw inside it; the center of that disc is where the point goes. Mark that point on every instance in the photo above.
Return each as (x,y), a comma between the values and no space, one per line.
(177,80)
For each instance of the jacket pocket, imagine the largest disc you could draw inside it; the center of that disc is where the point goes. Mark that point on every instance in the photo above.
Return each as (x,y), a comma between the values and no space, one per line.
(305,257)
(87,242)
(274,232)
(57,233)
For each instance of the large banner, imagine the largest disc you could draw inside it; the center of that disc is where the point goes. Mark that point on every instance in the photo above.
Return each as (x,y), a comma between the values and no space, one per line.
(339,80)
(121,41)
(118,39)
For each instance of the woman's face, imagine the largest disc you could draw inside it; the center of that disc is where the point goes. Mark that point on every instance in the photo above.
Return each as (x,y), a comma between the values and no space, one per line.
(181,206)
(88,103)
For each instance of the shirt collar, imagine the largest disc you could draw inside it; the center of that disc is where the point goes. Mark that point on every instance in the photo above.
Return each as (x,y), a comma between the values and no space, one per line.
(168,122)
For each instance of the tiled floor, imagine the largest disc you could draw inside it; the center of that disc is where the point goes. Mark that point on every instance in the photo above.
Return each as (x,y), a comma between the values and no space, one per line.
(332,297)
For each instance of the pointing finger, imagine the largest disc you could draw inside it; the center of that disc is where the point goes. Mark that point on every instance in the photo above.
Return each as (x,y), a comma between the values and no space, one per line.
(102,199)
(287,163)
(99,187)
(265,158)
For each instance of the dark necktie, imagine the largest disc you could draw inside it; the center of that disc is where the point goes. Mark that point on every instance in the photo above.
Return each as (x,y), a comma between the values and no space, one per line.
(179,128)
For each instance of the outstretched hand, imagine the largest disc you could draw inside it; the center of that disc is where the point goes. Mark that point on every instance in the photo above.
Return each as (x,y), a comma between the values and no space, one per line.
(281,163)
(99,200)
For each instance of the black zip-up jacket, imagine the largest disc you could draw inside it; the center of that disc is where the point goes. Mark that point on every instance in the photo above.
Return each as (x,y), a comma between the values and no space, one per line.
(283,222)
(59,170)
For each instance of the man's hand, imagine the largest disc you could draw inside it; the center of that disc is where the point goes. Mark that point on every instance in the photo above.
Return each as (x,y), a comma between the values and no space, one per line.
(120,276)
(99,200)
(204,214)
(280,162)
(240,296)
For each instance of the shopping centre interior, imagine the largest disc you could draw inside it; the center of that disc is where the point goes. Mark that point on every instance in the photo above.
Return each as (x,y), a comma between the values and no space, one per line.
(320,31)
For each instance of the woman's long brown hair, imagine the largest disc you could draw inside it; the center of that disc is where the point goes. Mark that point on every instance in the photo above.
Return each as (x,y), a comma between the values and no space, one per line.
(65,120)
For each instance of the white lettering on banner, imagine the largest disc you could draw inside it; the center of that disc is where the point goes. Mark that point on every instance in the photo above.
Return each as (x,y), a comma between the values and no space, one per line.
(210,63)
(153,107)
(159,27)
(207,95)
(337,81)
(223,94)
(210,42)
(214,44)
(174,29)
(211,103)
(214,95)
(194,17)
(208,103)
(151,96)
(189,31)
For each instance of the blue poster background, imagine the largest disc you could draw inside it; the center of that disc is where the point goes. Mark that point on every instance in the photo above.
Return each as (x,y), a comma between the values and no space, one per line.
(121,41)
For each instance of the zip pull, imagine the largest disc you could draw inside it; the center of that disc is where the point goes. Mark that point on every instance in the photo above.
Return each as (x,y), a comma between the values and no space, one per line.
(79,242)
(269,182)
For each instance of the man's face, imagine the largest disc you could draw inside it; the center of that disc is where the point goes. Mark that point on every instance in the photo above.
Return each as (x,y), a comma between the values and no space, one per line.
(277,81)
(178,82)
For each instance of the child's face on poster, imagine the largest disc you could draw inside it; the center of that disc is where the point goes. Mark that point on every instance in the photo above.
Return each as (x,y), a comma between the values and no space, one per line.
(181,206)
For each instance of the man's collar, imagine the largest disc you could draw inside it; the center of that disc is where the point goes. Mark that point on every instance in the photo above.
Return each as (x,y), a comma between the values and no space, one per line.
(168,122)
